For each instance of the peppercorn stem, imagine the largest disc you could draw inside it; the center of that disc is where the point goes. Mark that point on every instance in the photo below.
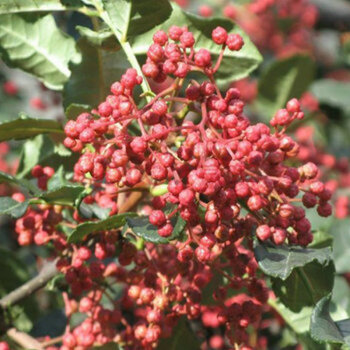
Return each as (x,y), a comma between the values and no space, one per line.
(219,60)
(125,46)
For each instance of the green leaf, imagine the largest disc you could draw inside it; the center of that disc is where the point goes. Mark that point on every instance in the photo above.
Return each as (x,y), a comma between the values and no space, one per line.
(13,273)
(341,246)
(332,93)
(324,329)
(93,210)
(105,39)
(11,207)
(35,44)
(308,343)
(321,239)
(34,152)
(280,261)
(25,127)
(132,17)
(298,321)
(63,195)
(235,64)
(25,184)
(282,80)
(319,223)
(182,337)
(21,6)
(61,191)
(74,109)
(110,223)
(305,286)
(57,180)
(92,77)
(142,228)
(41,150)
(341,298)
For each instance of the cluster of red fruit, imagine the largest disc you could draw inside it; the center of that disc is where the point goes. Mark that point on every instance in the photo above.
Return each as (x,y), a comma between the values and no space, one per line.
(281,26)
(335,171)
(225,177)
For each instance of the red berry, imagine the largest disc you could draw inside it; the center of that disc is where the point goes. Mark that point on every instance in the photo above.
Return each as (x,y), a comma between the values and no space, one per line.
(186,197)
(155,53)
(255,203)
(160,37)
(202,58)
(10,88)
(175,33)
(175,187)
(133,177)
(279,236)
(187,39)
(293,106)
(150,70)
(169,67)
(157,218)
(309,200)
(263,232)
(230,11)
(37,103)
(182,70)
(70,129)
(205,11)
(234,42)
(309,170)
(158,172)
(117,88)
(113,175)
(324,209)
(37,171)
(165,230)
(219,35)
(138,145)
(87,135)
(105,109)
(193,92)
(160,107)
(202,254)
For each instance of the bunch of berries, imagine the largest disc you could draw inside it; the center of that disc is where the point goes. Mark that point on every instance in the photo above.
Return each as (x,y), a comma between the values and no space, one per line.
(223,178)
(262,19)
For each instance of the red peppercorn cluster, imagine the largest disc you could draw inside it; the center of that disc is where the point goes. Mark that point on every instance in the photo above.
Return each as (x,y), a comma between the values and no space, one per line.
(261,20)
(336,172)
(172,53)
(227,179)
(164,284)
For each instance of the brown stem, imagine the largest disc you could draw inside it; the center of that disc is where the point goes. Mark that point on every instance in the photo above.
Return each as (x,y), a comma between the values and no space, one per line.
(130,202)
(52,341)
(24,340)
(49,270)
(219,60)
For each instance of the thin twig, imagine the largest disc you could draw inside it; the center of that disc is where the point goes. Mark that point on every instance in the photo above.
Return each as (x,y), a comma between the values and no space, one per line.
(52,341)
(49,271)
(24,340)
